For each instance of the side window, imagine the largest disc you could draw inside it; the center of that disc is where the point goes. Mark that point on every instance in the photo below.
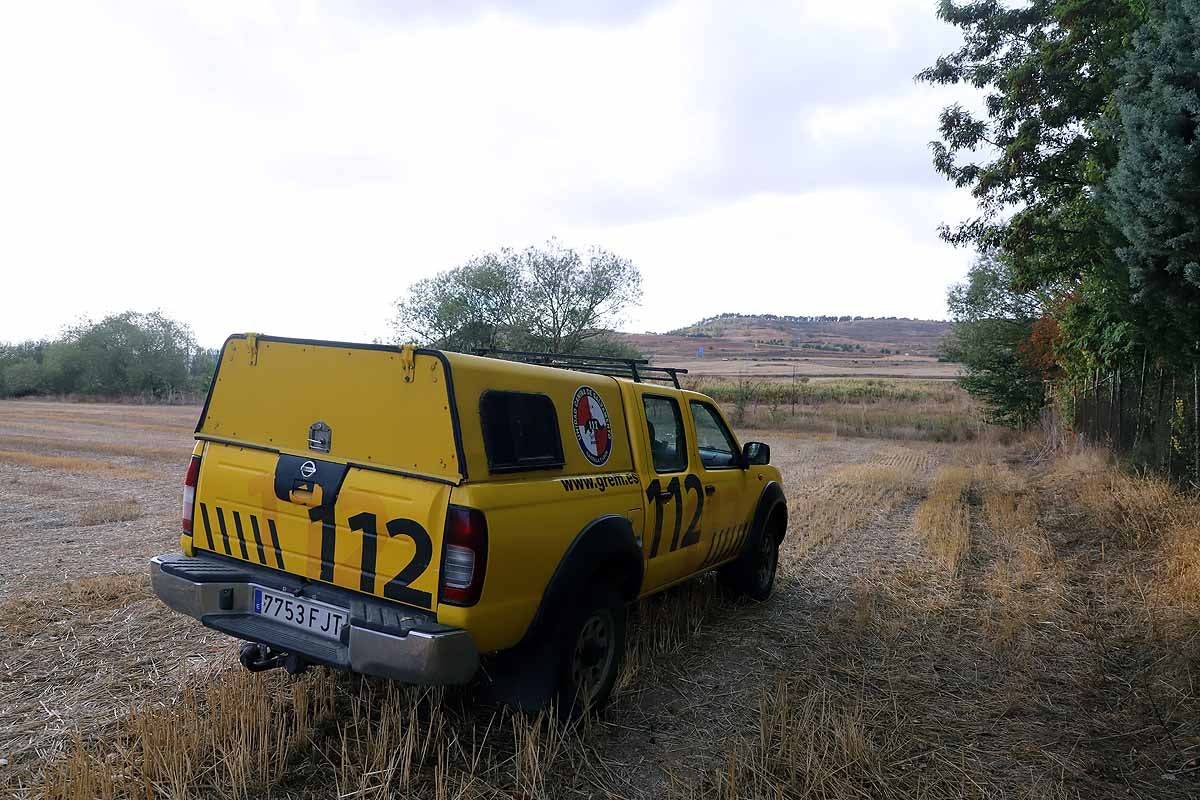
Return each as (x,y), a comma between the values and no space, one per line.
(665,425)
(717,446)
(520,431)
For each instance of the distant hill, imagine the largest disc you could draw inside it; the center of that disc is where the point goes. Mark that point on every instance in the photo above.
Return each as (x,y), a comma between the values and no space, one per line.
(887,335)
(917,336)
(820,345)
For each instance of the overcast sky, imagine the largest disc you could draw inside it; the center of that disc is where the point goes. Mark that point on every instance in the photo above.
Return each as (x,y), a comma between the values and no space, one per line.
(291,168)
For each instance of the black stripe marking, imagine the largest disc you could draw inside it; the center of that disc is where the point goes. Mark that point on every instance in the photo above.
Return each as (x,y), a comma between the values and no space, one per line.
(741,538)
(237,526)
(727,545)
(743,532)
(719,543)
(275,542)
(711,544)
(262,556)
(224,531)
(207,527)
(731,546)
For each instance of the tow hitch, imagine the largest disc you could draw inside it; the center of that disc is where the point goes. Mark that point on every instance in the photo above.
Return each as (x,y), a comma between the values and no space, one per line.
(260,657)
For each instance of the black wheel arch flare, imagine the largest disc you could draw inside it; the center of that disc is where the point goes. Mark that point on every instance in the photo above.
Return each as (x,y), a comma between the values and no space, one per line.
(606,546)
(770,502)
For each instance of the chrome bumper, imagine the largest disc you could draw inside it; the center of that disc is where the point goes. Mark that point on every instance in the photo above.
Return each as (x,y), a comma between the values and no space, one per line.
(420,657)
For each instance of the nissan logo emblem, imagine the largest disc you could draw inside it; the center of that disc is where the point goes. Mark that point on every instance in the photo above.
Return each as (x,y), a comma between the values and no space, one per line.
(308,469)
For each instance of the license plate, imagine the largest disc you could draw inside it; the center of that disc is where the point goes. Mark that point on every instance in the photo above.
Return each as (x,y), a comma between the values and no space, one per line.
(316,618)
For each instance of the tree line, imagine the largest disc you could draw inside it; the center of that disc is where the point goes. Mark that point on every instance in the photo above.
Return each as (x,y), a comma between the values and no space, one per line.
(1084,161)
(123,355)
(549,298)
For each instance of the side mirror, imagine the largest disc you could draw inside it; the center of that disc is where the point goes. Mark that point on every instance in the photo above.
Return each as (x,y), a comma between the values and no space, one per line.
(756,454)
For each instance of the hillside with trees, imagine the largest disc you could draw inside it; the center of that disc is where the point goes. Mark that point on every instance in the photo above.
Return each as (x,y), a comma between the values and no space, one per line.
(831,333)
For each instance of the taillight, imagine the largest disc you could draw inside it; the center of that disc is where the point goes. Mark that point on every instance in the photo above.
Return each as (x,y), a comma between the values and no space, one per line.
(464,556)
(189,493)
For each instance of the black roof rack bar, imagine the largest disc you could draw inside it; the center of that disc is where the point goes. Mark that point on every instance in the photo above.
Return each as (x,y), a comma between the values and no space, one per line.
(561,356)
(613,366)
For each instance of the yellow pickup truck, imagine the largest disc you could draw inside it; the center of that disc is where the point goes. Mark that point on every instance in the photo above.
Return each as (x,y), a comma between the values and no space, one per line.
(403,512)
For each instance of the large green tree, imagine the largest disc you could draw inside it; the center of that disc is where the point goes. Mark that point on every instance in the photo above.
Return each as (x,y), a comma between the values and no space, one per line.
(1034,154)
(1154,190)
(994,337)
(540,298)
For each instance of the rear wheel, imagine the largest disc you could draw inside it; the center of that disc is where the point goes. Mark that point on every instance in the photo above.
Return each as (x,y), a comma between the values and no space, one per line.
(591,645)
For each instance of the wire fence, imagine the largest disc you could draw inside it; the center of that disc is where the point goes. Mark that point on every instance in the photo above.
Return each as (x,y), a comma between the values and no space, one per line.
(1149,414)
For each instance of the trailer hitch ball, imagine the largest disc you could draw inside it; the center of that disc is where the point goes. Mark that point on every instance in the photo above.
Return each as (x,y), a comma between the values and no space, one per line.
(259,658)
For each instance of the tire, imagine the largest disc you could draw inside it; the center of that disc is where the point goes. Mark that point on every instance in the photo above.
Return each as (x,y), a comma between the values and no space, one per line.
(753,574)
(591,645)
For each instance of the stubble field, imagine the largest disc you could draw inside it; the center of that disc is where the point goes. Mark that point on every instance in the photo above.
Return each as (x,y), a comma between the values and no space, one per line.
(957,618)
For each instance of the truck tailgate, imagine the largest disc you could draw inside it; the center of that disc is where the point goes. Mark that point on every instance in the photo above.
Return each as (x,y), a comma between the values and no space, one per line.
(361,529)
(330,461)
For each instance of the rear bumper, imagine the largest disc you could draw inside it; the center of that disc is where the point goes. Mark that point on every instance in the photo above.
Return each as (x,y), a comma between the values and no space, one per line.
(381,638)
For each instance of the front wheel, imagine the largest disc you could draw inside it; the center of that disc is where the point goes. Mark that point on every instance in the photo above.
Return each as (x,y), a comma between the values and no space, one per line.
(591,646)
(753,575)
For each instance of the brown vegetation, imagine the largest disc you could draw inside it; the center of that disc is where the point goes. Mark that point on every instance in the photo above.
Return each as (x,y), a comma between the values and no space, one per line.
(73,464)
(943,519)
(1059,662)
(110,511)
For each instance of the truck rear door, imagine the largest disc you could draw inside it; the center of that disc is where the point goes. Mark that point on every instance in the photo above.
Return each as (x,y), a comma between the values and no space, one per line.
(332,462)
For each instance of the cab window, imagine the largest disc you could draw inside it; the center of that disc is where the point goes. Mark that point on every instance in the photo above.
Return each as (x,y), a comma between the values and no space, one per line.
(665,425)
(520,431)
(717,446)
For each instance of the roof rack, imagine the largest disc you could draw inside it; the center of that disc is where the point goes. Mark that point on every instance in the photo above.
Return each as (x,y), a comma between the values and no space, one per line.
(638,369)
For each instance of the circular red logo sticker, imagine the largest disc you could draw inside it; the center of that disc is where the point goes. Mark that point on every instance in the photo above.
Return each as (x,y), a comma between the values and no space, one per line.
(592,427)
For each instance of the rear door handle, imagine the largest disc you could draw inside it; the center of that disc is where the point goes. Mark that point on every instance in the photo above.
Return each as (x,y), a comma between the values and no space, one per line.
(710,489)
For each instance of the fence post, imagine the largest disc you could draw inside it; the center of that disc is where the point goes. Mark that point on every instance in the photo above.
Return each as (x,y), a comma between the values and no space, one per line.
(1196,423)
(1120,407)
(1074,411)
(1171,422)
(1137,425)
(1158,413)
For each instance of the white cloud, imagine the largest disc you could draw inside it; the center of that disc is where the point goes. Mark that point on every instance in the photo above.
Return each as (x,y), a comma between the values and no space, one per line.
(290,169)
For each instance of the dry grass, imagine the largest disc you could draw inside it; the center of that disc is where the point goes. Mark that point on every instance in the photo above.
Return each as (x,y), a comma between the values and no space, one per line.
(1036,675)
(76,465)
(847,500)
(1135,510)
(29,614)
(1126,510)
(943,520)
(807,744)
(233,734)
(73,444)
(664,625)
(108,511)
(1045,670)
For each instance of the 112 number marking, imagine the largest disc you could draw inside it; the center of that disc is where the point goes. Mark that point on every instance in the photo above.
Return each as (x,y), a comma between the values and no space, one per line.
(659,496)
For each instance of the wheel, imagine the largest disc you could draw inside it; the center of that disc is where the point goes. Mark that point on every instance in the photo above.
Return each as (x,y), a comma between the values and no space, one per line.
(591,646)
(753,575)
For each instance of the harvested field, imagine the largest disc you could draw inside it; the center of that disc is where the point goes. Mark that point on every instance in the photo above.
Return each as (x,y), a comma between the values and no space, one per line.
(950,620)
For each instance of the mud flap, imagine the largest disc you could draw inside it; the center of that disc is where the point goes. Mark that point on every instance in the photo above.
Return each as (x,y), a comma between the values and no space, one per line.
(524,678)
